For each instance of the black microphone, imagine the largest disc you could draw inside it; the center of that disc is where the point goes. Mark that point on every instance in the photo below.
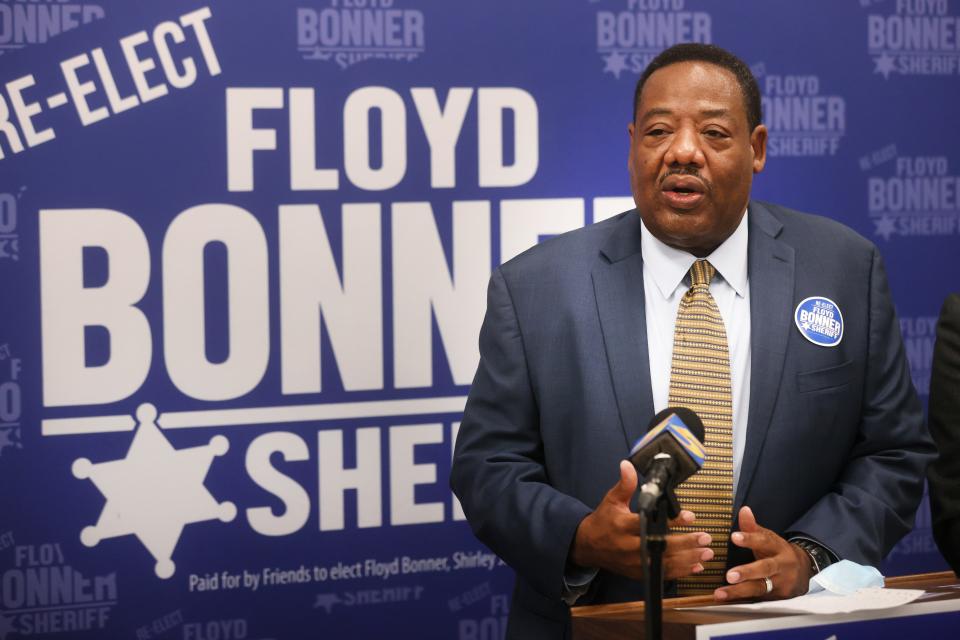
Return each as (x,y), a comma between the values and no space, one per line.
(668,454)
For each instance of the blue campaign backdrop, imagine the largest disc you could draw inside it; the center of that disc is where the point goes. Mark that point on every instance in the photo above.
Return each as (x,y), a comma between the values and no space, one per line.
(244,249)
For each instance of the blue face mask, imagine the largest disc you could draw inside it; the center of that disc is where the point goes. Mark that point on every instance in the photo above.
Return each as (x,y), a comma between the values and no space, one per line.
(845,577)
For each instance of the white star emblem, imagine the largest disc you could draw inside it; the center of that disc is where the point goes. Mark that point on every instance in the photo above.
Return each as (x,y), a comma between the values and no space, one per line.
(6,439)
(317,54)
(326,600)
(885,227)
(155,491)
(615,63)
(884,64)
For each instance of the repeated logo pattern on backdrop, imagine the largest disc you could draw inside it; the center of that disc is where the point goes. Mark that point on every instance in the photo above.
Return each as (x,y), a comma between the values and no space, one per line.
(913,38)
(244,250)
(630,35)
(801,118)
(346,34)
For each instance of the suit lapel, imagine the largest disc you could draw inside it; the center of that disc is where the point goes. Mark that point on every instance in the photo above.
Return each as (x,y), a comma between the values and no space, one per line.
(618,286)
(771,269)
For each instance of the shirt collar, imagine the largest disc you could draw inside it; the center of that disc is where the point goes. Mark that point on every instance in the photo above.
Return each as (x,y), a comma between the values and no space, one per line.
(669,266)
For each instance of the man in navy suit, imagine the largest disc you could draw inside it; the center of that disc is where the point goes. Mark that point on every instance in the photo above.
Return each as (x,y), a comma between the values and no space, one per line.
(944,474)
(829,446)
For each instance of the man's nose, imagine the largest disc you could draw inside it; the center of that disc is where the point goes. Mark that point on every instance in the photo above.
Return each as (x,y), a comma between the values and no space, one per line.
(685,149)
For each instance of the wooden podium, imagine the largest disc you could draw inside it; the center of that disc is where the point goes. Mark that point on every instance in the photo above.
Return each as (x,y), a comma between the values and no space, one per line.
(625,620)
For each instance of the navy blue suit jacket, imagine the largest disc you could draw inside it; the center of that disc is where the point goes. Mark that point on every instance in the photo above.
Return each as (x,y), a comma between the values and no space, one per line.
(836,448)
(944,474)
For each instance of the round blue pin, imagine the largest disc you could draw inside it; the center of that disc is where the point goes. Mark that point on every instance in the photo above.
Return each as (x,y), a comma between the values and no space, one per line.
(819,321)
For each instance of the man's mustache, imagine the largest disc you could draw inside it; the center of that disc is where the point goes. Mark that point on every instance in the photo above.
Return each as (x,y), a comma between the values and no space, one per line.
(685,170)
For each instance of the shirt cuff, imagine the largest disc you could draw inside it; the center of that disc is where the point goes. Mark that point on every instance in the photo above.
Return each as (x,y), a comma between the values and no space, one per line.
(576,581)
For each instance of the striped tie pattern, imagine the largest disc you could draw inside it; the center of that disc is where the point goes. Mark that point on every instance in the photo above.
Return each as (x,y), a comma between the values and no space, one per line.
(700,381)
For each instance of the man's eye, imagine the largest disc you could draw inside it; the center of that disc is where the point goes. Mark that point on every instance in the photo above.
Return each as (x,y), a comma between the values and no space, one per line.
(713,133)
(657,132)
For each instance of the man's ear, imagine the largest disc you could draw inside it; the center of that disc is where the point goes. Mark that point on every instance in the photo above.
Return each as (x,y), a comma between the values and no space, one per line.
(758,142)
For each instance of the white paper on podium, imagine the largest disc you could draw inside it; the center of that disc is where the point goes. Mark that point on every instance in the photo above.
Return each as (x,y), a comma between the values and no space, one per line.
(825,602)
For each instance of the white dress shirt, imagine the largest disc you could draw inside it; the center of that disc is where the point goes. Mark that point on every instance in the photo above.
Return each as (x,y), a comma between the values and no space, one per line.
(664,283)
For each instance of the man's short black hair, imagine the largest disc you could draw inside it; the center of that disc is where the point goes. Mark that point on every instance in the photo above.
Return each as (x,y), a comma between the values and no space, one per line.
(698,52)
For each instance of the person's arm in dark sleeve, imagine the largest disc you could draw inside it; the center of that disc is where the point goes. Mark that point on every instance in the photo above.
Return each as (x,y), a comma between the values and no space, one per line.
(875,499)
(944,473)
(498,468)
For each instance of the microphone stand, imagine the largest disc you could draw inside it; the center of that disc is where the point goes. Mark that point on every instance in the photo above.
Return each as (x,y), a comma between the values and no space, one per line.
(653,531)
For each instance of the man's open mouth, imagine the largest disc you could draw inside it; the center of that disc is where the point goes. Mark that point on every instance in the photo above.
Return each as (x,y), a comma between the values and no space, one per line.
(683,192)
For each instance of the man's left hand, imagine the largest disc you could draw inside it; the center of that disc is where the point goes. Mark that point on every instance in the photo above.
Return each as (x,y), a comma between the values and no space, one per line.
(785,565)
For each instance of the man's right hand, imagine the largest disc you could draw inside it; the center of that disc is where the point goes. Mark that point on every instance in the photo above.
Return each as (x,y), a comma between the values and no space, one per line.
(609,538)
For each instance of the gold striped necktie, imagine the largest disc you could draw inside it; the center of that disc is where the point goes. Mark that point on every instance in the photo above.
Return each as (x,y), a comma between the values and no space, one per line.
(700,381)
